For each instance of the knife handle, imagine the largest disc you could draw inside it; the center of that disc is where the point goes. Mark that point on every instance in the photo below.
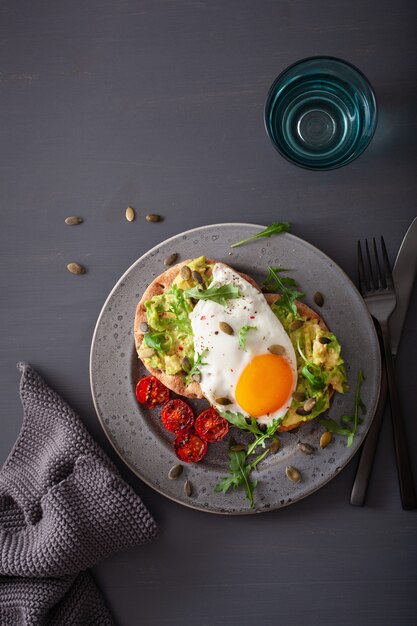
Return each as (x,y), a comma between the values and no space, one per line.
(366,460)
(405,473)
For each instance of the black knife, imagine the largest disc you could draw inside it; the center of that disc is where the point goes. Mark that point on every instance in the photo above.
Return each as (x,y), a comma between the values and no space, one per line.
(404,274)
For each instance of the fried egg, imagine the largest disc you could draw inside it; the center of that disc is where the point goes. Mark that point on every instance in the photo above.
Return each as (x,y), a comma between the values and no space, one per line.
(254,381)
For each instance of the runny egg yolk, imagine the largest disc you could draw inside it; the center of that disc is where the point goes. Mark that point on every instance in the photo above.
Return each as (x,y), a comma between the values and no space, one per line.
(265,385)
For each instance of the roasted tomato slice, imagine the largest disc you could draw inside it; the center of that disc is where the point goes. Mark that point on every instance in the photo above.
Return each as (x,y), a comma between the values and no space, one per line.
(211,426)
(189,447)
(151,392)
(177,416)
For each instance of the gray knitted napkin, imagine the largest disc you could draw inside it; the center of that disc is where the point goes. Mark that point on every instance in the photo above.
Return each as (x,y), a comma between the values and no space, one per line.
(63,508)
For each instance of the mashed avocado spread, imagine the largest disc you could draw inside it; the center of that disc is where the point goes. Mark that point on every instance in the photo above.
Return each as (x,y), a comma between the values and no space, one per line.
(319,362)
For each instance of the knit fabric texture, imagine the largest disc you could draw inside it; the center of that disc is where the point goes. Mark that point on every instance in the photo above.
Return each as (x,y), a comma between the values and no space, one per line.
(63,508)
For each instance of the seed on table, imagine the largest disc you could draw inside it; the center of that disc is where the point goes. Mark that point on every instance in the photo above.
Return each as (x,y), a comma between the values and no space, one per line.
(276,349)
(170,260)
(275,445)
(73,220)
(325,439)
(175,472)
(293,473)
(318,298)
(197,277)
(76,268)
(309,404)
(299,396)
(226,328)
(144,327)
(305,447)
(237,447)
(185,272)
(188,488)
(296,324)
(130,214)
(223,401)
(325,340)
(152,217)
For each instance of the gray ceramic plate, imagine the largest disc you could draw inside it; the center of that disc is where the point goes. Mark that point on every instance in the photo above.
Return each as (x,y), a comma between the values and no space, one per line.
(136,433)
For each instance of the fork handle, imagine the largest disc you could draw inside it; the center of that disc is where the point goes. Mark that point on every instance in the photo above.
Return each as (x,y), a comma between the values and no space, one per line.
(405,474)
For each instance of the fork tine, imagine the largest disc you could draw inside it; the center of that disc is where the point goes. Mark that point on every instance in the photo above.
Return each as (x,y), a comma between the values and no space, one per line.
(387,267)
(363,285)
(381,280)
(372,281)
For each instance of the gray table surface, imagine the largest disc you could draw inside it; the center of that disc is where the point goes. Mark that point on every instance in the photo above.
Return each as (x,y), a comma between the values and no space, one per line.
(159,104)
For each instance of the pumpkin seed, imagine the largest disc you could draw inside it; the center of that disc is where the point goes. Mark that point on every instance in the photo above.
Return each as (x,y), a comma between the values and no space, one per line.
(76,268)
(318,298)
(147,353)
(223,401)
(226,328)
(275,445)
(73,220)
(325,340)
(186,364)
(237,447)
(188,488)
(276,349)
(293,473)
(309,404)
(152,217)
(175,471)
(197,277)
(325,439)
(130,214)
(185,272)
(295,325)
(170,260)
(301,411)
(299,396)
(305,447)
(144,327)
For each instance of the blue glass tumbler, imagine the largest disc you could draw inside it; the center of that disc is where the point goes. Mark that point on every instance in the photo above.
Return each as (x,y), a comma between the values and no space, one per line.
(321,113)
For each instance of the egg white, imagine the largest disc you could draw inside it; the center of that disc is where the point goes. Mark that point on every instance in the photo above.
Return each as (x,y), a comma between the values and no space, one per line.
(225,360)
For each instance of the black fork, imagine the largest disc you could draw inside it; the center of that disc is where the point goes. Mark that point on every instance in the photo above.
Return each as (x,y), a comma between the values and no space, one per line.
(377,288)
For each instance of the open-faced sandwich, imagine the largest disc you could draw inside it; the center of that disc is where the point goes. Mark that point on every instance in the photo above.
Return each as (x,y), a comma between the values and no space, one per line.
(206,330)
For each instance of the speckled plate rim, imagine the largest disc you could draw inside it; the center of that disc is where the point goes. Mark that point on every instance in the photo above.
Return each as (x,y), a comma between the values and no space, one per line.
(356,444)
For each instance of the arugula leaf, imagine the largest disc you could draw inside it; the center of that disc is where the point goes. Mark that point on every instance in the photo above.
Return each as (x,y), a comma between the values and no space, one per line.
(240,467)
(273,229)
(242,335)
(239,420)
(239,475)
(195,367)
(349,423)
(218,294)
(277,283)
(155,341)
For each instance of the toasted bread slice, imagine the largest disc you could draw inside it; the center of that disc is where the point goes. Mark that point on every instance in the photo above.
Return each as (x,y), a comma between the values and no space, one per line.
(177,382)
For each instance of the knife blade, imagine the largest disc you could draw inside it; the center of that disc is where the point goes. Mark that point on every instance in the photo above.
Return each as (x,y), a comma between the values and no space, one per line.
(404,273)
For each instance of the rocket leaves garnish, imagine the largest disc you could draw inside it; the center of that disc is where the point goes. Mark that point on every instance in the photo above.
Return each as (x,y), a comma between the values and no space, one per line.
(275,228)
(348,423)
(240,466)
(220,294)
(284,285)
(195,367)
(242,335)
